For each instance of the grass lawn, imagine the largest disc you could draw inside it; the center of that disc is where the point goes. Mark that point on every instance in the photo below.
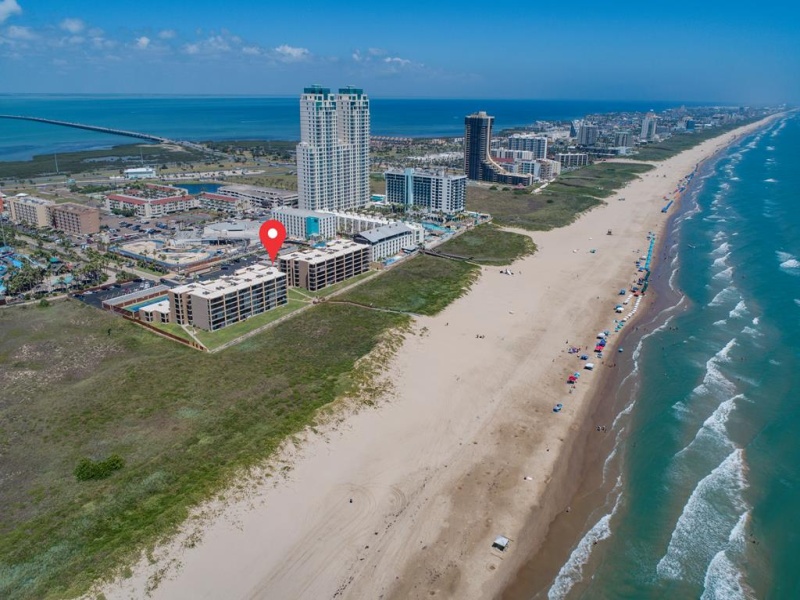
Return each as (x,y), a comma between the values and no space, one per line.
(338,286)
(488,245)
(183,421)
(213,339)
(174,329)
(423,285)
(560,203)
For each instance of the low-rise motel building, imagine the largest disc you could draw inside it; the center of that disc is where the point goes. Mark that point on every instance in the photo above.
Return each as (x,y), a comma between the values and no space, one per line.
(217,303)
(386,240)
(153,201)
(317,268)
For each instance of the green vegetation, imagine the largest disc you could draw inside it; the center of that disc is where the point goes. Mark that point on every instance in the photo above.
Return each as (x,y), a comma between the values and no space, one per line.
(682,141)
(214,339)
(89,469)
(561,202)
(120,157)
(489,245)
(422,285)
(77,382)
(327,291)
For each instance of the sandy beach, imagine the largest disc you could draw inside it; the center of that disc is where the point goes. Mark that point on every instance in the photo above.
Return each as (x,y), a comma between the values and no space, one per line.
(404,500)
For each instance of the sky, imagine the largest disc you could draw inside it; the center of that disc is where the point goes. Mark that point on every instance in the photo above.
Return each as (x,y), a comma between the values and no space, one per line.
(744,53)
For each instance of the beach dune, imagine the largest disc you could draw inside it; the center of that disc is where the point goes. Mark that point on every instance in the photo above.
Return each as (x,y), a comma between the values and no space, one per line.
(405,500)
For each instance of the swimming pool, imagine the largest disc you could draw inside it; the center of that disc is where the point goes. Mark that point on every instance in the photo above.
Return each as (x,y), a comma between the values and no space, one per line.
(138,305)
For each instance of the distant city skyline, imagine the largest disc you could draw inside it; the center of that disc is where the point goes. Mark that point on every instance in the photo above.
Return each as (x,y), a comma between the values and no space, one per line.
(708,52)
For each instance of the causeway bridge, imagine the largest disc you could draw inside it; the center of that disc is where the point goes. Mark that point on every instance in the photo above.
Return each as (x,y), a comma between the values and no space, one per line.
(122,132)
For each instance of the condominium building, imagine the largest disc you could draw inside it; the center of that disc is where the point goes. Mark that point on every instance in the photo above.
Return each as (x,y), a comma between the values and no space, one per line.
(251,196)
(350,223)
(30,210)
(386,240)
(478,164)
(537,144)
(333,153)
(623,139)
(649,123)
(430,191)
(220,203)
(217,303)
(570,160)
(317,268)
(588,134)
(75,219)
(152,201)
(514,154)
(548,169)
(306,224)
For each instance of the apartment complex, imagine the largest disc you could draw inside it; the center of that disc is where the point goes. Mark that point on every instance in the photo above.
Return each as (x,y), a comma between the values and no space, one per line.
(219,203)
(431,191)
(306,224)
(152,201)
(333,153)
(352,222)
(623,139)
(317,268)
(217,303)
(570,160)
(386,240)
(588,134)
(478,164)
(251,196)
(30,210)
(548,169)
(75,219)
(536,144)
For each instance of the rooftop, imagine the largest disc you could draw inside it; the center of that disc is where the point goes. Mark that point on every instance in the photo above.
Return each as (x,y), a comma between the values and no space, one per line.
(378,234)
(240,279)
(32,200)
(300,212)
(331,250)
(75,208)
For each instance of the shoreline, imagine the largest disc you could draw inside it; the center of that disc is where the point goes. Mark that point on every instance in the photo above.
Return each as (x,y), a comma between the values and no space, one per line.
(466,448)
(614,397)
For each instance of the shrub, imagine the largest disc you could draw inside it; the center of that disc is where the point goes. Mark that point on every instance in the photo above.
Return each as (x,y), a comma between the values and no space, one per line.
(89,469)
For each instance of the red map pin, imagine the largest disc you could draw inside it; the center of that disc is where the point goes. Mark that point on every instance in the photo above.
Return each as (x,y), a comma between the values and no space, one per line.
(272,234)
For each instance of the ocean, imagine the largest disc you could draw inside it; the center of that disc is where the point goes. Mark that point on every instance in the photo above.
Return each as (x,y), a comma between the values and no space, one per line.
(203,118)
(702,481)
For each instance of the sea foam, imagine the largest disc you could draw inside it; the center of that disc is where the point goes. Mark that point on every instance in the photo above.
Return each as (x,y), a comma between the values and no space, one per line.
(713,508)
(723,580)
(788,262)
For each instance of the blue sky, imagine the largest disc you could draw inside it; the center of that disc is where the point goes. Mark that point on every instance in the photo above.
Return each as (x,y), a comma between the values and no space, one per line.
(620,49)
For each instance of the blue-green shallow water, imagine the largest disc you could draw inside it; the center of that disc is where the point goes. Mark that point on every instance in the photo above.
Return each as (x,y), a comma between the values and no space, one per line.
(707,499)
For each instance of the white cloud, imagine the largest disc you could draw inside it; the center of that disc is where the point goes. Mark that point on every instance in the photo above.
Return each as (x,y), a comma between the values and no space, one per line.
(16,32)
(73,26)
(142,42)
(394,60)
(9,8)
(251,50)
(191,48)
(167,34)
(288,53)
(376,51)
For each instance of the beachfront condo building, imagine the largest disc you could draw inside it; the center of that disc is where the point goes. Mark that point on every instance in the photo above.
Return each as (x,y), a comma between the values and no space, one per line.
(333,153)
(29,210)
(317,268)
(217,303)
(623,139)
(588,134)
(306,224)
(478,163)
(572,160)
(536,144)
(251,196)
(648,133)
(76,219)
(429,191)
(386,240)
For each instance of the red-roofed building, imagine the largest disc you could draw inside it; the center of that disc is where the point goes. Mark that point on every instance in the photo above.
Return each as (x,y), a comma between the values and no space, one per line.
(153,202)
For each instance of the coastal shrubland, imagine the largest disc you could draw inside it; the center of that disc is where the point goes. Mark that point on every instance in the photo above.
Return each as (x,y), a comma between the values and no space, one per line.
(561,202)
(76,382)
(489,245)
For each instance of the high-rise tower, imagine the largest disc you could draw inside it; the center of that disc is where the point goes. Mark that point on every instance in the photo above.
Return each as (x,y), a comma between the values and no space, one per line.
(478,164)
(333,153)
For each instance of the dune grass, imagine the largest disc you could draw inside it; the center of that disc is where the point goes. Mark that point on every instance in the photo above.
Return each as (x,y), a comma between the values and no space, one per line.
(488,245)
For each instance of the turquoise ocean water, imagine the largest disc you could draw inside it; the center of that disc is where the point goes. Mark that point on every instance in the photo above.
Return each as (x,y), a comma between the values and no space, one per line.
(201,118)
(703,485)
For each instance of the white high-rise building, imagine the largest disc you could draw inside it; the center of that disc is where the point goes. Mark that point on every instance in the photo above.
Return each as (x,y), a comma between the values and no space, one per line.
(648,133)
(588,134)
(537,144)
(333,153)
